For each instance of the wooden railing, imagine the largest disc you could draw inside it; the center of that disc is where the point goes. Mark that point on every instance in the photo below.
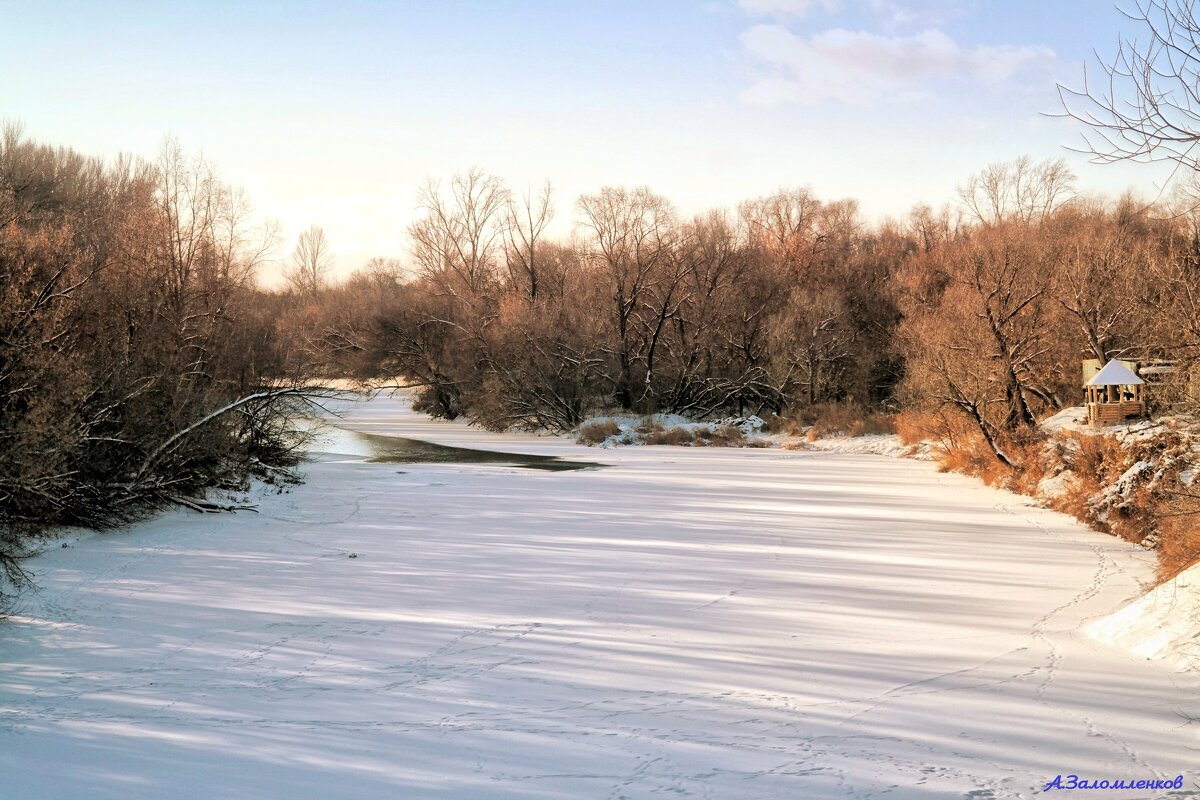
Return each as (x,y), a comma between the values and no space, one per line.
(1104,413)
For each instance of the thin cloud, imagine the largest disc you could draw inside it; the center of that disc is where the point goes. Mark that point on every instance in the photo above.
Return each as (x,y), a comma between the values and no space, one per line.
(860,67)
(895,15)
(792,8)
(891,14)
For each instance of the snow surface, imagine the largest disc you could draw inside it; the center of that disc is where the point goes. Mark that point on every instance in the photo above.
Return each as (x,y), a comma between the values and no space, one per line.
(1164,624)
(879,444)
(1073,418)
(694,622)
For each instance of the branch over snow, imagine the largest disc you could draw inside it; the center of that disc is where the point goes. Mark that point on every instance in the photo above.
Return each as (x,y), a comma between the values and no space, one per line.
(271,394)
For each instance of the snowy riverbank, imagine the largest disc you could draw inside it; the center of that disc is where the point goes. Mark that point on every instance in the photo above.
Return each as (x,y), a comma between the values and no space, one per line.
(709,622)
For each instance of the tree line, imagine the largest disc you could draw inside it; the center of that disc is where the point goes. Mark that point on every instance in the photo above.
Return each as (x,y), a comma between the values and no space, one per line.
(786,300)
(137,366)
(980,311)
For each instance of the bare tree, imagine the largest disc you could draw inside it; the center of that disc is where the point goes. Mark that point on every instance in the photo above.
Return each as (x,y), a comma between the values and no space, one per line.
(929,228)
(1101,268)
(525,222)
(786,224)
(312,261)
(457,243)
(631,236)
(1017,190)
(809,337)
(206,234)
(703,369)
(1146,106)
(380,268)
(982,344)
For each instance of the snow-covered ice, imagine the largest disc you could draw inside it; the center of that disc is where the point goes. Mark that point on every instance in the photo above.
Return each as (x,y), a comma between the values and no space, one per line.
(1165,624)
(880,444)
(691,622)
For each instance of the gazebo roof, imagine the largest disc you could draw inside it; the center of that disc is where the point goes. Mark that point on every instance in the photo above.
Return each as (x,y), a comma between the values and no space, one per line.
(1115,374)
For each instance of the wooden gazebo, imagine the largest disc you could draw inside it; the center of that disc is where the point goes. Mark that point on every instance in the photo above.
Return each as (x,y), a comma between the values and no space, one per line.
(1114,395)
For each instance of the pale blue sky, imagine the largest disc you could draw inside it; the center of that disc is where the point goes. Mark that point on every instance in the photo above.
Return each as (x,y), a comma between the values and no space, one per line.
(335,112)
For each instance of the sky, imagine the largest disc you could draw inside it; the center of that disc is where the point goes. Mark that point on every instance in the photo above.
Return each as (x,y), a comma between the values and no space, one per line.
(336,113)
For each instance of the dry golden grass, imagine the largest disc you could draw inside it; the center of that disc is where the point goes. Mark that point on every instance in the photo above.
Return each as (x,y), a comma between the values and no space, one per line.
(722,436)
(648,425)
(915,427)
(1094,462)
(1179,540)
(1033,467)
(773,423)
(1152,506)
(832,419)
(972,456)
(729,436)
(669,436)
(594,433)
(957,444)
(654,432)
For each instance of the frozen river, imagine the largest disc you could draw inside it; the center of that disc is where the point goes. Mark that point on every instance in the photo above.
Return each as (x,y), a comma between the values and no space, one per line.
(709,623)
